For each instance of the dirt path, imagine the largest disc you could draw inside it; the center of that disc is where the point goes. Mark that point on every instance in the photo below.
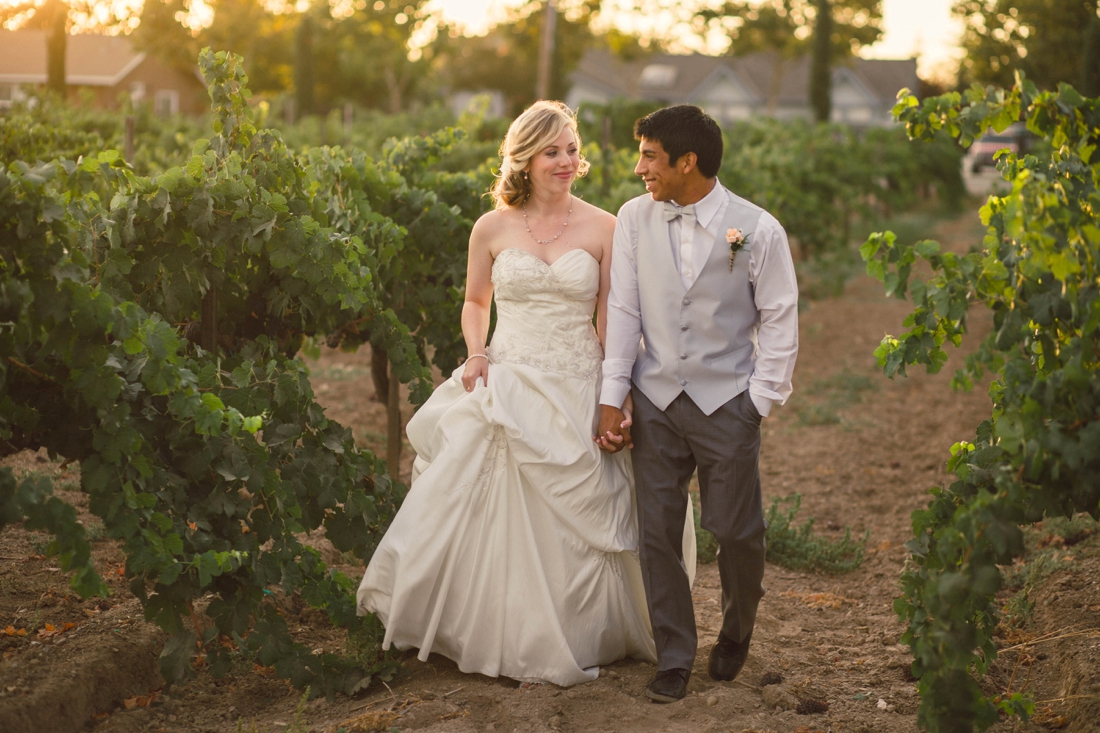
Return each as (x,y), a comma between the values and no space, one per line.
(860,449)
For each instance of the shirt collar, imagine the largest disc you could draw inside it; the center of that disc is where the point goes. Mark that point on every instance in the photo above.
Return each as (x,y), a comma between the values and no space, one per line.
(708,206)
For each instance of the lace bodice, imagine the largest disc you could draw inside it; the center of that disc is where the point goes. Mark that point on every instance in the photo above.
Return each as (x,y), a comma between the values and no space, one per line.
(544,312)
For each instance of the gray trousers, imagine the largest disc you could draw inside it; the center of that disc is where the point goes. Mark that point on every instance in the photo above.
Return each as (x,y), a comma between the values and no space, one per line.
(725,446)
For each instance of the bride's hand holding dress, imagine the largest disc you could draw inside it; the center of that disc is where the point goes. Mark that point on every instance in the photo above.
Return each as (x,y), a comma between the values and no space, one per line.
(475,371)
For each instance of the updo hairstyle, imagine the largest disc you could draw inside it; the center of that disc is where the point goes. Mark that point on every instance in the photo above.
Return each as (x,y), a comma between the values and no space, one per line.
(531,133)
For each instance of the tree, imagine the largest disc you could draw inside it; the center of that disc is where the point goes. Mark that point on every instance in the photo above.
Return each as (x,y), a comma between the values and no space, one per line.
(506,58)
(261,37)
(370,55)
(162,35)
(51,16)
(786,25)
(820,71)
(1045,39)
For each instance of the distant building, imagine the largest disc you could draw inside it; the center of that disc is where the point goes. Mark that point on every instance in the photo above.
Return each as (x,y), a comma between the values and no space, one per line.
(739,87)
(106,66)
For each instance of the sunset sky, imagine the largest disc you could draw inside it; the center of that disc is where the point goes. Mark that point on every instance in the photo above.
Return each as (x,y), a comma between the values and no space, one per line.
(922,28)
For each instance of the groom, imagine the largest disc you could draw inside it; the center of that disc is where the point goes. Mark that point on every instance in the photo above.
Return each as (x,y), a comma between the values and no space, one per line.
(702,329)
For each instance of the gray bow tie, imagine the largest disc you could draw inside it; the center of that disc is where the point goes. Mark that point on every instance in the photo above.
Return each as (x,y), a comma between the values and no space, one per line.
(672,211)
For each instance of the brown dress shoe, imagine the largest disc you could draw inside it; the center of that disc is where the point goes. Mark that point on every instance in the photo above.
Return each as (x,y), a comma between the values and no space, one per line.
(669,685)
(727,658)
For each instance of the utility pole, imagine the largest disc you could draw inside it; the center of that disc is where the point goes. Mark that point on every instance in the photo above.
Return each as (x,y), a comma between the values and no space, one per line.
(303,66)
(546,49)
(821,63)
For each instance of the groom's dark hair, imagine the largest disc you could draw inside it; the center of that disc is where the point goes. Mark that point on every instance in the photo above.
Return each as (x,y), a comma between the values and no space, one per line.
(684,128)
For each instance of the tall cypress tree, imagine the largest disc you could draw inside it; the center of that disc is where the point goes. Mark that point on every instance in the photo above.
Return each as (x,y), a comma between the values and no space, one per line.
(820,73)
(303,66)
(1090,61)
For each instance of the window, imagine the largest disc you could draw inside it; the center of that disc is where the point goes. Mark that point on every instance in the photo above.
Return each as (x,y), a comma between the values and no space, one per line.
(725,113)
(12,93)
(658,75)
(860,115)
(167,102)
(137,91)
(738,112)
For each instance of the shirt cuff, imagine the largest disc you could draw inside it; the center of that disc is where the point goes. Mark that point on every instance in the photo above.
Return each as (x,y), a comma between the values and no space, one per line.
(613,393)
(763,404)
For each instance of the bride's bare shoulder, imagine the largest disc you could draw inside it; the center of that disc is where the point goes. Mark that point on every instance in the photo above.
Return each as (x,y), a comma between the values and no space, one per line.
(490,224)
(595,216)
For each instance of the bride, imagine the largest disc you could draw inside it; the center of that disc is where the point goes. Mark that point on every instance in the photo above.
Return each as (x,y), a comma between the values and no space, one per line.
(515,551)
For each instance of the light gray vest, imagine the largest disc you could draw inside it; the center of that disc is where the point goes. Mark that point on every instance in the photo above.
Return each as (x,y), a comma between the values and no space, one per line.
(702,341)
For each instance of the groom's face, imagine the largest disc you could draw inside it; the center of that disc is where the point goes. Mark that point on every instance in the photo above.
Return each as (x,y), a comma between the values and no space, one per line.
(663,179)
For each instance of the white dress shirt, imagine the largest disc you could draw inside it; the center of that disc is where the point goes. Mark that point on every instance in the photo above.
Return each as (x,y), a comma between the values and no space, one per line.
(774,291)
(693,244)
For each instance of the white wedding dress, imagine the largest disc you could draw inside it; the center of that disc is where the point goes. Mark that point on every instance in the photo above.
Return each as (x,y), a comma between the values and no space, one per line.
(515,551)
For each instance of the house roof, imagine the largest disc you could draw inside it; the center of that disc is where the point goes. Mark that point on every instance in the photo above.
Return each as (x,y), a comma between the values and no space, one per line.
(722,72)
(772,75)
(91,60)
(765,74)
(887,76)
(606,70)
(689,72)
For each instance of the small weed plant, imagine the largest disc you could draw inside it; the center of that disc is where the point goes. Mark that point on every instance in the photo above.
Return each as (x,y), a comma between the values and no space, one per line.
(1050,550)
(832,395)
(798,548)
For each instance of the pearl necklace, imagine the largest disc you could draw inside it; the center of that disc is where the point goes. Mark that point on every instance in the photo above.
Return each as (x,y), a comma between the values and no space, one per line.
(560,231)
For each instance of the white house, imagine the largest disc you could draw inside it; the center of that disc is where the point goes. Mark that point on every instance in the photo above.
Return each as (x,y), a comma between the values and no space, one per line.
(738,87)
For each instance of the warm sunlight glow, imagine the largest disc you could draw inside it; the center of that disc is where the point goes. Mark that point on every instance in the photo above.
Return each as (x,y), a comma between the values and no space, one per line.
(922,28)
(473,16)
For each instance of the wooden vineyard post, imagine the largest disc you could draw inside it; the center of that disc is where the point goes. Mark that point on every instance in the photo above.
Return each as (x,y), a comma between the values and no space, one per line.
(128,144)
(379,372)
(393,427)
(208,337)
(606,154)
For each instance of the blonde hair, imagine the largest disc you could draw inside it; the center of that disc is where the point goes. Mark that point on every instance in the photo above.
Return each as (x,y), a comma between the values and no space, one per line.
(531,133)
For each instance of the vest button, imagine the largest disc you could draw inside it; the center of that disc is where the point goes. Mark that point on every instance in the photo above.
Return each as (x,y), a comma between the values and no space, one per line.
(683,356)
(683,328)
(687,301)
(683,382)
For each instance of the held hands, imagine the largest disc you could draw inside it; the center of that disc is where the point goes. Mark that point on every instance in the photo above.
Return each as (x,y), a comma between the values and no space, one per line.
(477,367)
(614,429)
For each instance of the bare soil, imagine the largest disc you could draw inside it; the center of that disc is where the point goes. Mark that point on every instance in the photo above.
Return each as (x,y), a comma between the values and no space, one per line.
(860,449)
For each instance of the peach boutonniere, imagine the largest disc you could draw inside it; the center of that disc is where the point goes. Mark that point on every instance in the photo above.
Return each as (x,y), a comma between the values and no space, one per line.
(737,240)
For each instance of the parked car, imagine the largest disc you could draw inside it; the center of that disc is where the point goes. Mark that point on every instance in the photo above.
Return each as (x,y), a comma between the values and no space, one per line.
(983,150)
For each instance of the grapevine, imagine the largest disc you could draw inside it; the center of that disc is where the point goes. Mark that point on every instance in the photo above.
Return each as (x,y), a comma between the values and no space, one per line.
(206,462)
(1039,452)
